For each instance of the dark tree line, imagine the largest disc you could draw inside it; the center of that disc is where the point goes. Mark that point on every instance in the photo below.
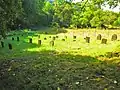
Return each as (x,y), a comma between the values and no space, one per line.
(17,14)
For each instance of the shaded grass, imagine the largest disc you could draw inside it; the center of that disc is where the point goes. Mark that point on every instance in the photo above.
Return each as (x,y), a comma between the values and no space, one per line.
(64,71)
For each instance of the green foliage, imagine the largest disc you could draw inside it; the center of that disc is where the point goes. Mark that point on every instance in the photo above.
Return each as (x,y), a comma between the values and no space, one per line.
(9,11)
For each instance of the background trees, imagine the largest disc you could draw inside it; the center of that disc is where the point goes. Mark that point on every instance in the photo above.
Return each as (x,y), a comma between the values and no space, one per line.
(16,14)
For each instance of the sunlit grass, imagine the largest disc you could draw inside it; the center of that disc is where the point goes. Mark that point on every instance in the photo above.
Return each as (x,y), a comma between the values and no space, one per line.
(78,47)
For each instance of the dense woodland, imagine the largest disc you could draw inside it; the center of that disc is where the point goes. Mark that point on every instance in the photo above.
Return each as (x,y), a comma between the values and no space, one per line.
(18,14)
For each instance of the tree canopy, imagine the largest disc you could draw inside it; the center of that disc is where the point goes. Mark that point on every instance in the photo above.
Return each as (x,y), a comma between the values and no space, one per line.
(16,14)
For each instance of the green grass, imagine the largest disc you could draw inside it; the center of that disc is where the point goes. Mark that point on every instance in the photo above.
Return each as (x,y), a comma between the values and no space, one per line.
(69,65)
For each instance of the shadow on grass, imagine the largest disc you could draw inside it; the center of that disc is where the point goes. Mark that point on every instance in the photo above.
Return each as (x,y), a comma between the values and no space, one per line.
(50,70)
(32,32)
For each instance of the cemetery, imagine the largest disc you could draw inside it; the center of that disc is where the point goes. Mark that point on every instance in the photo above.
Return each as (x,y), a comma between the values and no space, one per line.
(87,49)
(59,44)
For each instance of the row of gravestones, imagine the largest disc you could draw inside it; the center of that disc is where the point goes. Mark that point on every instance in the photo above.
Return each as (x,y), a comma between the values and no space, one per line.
(9,45)
(114,37)
(99,37)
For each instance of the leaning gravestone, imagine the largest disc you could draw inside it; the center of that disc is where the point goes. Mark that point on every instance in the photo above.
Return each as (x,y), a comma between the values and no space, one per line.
(52,43)
(114,37)
(99,37)
(2,44)
(87,39)
(30,40)
(10,46)
(104,41)
(39,42)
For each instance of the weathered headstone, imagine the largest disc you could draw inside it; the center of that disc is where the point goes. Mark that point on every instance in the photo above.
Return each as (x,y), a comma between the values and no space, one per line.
(56,36)
(114,37)
(63,39)
(53,38)
(12,38)
(38,36)
(52,43)
(30,40)
(99,37)
(104,41)
(18,39)
(87,39)
(39,42)
(45,38)
(46,32)
(74,37)
(2,44)
(10,46)
(49,36)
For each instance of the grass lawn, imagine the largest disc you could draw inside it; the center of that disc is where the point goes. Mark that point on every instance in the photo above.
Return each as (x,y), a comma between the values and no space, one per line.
(71,64)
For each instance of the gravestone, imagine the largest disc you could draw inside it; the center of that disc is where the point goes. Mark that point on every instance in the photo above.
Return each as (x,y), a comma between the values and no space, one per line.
(10,46)
(53,38)
(56,36)
(12,38)
(87,39)
(39,42)
(18,39)
(104,41)
(46,32)
(99,37)
(52,43)
(2,44)
(30,40)
(74,40)
(45,38)
(114,37)
(38,36)
(74,37)
(63,39)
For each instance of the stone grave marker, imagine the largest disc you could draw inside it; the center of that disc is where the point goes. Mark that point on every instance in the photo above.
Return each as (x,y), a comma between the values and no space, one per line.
(2,44)
(45,38)
(30,40)
(18,39)
(63,39)
(53,38)
(52,43)
(38,36)
(87,39)
(57,37)
(74,37)
(39,42)
(13,38)
(104,41)
(114,37)
(99,37)
(10,46)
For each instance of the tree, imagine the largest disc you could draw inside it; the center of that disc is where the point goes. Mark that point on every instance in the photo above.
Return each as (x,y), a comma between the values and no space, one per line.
(9,11)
